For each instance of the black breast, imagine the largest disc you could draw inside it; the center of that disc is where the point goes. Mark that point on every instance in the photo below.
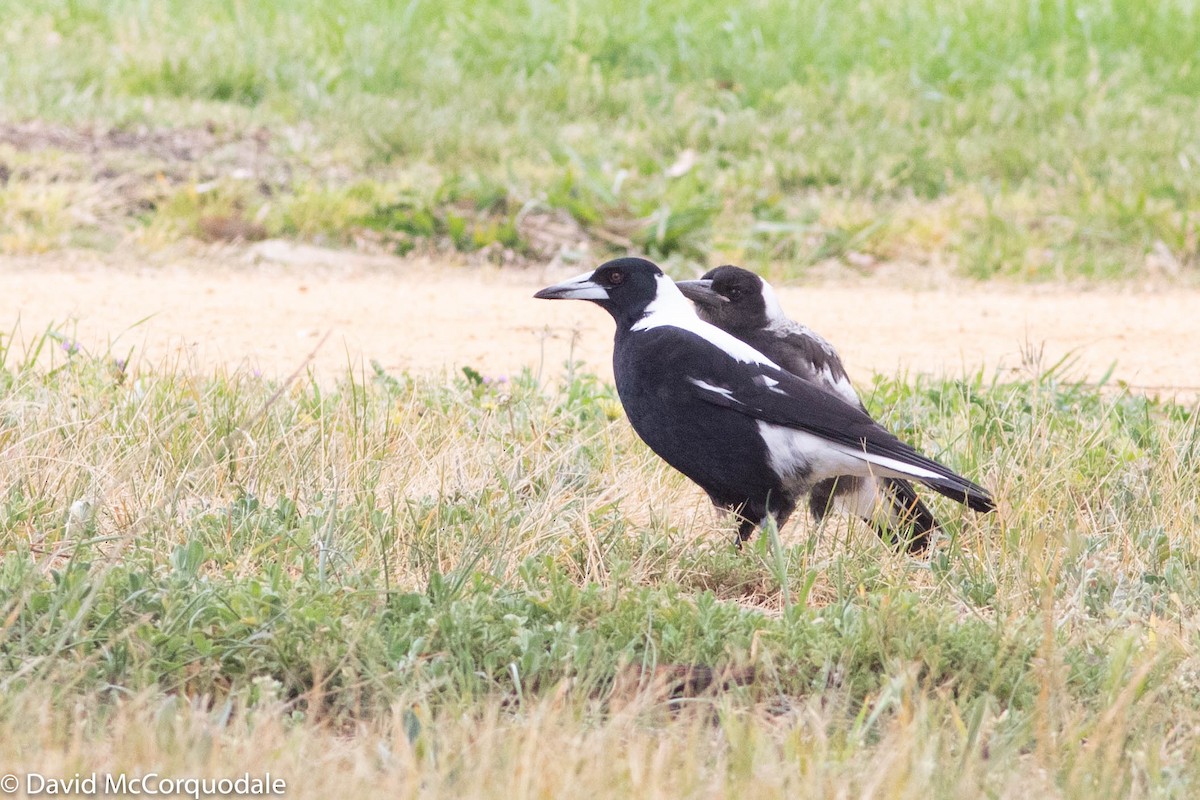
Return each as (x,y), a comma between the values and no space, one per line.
(718,448)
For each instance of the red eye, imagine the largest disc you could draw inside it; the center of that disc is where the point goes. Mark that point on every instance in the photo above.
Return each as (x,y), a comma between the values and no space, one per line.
(616,277)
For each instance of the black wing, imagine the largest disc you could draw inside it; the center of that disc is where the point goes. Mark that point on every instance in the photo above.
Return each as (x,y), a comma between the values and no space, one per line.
(781,398)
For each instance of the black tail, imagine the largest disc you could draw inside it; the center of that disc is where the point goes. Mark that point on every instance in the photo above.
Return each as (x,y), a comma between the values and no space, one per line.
(944,480)
(971,495)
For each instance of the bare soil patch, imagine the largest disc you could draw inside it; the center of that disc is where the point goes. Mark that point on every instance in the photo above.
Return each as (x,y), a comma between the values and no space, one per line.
(265,310)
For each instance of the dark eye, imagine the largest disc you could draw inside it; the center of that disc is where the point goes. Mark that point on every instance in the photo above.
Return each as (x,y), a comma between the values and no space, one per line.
(734,292)
(616,277)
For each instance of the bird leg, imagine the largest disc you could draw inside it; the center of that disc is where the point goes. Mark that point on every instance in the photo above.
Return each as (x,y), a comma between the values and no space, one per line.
(745,530)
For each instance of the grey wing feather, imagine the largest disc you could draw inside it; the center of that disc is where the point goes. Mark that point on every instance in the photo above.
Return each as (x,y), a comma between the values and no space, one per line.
(807,354)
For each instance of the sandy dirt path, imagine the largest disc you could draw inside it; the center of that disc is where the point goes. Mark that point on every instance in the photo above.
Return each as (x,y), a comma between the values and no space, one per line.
(224,311)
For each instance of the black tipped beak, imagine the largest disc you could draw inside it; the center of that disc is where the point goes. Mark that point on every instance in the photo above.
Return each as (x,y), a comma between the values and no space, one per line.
(581,287)
(701,293)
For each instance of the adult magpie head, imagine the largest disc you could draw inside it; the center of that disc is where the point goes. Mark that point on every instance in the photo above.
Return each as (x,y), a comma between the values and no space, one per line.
(732,298)
(624,287)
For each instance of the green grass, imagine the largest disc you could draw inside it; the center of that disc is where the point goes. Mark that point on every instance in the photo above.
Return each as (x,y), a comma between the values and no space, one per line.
(428,586)
(1033,139)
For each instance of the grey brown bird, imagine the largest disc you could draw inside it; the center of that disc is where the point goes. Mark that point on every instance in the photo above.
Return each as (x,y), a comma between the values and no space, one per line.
(743,304)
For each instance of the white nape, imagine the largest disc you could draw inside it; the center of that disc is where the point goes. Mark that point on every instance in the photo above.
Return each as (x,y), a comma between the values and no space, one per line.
(671,308)
(771,301)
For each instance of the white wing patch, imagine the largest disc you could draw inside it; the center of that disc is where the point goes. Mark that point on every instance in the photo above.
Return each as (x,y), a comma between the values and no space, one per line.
(770,383)
(792,452)
(671,308)
(893,468)
(708,387)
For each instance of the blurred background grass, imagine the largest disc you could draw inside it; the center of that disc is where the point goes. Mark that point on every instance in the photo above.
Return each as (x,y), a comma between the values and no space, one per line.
(1032,139)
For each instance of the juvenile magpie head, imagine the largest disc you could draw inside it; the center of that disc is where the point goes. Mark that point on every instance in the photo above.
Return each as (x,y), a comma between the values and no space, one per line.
(624,287)
(733,298)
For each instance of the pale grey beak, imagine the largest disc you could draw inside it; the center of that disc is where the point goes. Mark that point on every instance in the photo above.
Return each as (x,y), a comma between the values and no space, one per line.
(581,287)
(701,293)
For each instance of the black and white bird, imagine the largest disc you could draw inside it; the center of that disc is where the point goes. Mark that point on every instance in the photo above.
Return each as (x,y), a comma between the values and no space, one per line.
(754,436)
(743,304)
